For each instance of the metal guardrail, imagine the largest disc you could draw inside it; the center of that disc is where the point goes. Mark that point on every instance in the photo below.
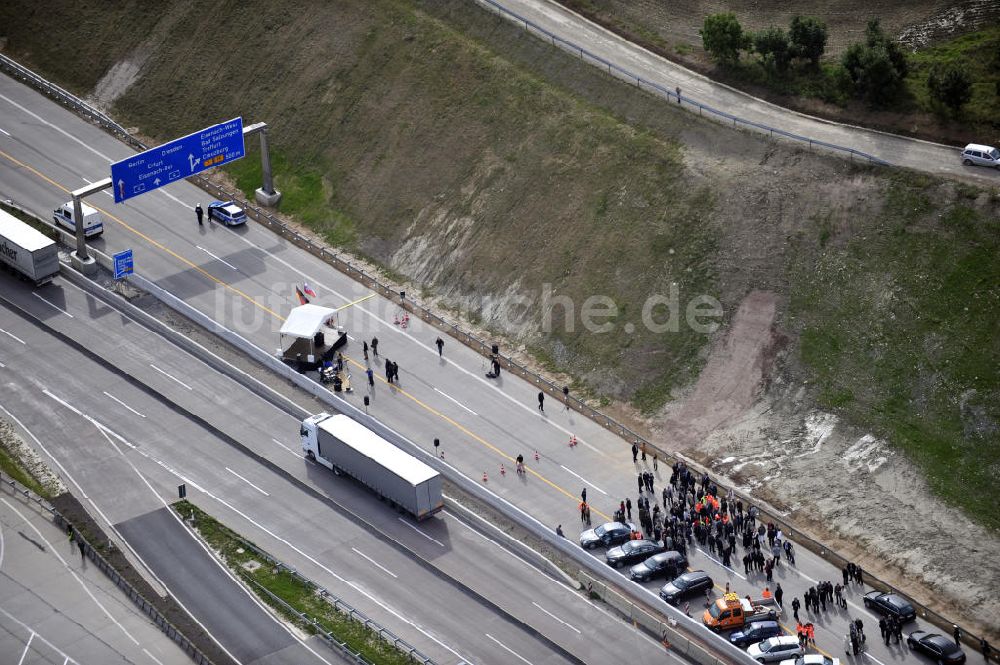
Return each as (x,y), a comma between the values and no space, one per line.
(622,73)
(554,390)
(88,550)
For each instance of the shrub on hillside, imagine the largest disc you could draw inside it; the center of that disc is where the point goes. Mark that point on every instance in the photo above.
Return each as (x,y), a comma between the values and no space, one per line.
(807,37)
(723,37)
(877,67)
(772,45)
(949,85)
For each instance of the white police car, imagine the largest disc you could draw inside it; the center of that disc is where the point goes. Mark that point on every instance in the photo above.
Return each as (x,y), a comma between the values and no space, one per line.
(226,212)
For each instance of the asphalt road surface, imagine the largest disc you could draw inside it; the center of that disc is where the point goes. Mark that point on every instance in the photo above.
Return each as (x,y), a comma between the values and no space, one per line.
(55,608)
(244,279)
(487,600)
(916,154)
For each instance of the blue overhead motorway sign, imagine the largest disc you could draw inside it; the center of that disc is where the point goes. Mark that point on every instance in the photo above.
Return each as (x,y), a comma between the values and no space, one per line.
(178,159)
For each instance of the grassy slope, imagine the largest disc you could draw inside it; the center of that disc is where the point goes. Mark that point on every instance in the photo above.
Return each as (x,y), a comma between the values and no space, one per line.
(404,134)
(899,327)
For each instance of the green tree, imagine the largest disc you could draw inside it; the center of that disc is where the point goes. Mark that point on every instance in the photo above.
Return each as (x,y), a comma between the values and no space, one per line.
(876,67)
(723,37)
(950,85)
(807,36)
(772,45)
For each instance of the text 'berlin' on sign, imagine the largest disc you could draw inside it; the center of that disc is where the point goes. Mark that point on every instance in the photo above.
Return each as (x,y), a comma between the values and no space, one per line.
(178,159)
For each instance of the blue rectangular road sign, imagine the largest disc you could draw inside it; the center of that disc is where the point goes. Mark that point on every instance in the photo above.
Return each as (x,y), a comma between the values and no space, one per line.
(178,159)
(123,263)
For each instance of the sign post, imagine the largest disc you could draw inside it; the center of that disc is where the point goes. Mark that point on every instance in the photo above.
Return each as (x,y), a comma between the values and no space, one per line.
(178,159)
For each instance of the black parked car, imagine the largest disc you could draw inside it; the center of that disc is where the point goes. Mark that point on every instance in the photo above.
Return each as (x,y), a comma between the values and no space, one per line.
(941,649)
(631,552)
(688,584)
(606,535)
(757,631)
(659,565)
(890,604)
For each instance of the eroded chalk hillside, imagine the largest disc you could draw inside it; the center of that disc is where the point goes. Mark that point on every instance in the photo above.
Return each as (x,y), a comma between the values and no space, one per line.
(490,168)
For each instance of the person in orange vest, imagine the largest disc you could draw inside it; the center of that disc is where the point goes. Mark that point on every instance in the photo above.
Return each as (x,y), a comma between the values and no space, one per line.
(767,593)
(811,632)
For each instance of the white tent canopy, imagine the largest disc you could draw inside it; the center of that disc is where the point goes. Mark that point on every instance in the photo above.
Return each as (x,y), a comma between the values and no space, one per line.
(306,320)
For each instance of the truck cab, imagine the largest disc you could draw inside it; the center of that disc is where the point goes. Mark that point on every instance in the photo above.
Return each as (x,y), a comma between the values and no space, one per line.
(731,612)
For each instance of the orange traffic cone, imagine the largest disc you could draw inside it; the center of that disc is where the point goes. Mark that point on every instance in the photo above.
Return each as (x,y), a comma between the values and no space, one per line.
(572,440)
(484,477)
(503,471)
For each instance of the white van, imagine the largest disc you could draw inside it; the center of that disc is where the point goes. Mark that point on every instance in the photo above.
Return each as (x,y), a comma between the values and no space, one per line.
(981,155)
(93,223)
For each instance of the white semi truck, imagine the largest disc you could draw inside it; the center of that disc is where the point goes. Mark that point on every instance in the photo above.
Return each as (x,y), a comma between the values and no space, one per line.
(27,251)
(344,445)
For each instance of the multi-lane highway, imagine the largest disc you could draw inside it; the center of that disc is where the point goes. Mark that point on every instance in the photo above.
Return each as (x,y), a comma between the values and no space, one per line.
(117,402)
(244,279)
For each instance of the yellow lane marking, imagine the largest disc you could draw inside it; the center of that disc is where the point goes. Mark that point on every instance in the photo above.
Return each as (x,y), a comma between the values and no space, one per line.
(155,243)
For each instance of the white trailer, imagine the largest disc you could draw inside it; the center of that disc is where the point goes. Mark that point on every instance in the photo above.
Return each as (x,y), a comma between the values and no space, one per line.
(342,444)
(27,251)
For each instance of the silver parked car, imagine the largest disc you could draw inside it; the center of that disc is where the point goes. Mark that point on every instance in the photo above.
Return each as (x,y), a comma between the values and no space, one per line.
(775,649)
(981,155)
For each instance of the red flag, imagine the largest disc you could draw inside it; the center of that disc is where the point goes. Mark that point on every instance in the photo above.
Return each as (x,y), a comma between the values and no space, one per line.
(308,290)
(302,299)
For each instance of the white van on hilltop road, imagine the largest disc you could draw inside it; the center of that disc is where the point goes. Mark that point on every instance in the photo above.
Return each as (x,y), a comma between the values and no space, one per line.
(93,222)
(981,155)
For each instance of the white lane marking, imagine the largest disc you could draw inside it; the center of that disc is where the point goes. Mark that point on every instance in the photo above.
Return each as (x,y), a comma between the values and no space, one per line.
(421,532)
(124,404)
(46,391)
(53,306)
(170,377)
(171,196)
(27,647)
(70,570)
(300,456)
(375,563)
(108,433)
(447,396)
(215,257)
(13,336)
(2,365)
(719,563)
(584,480)
(390,610)
(58,129)
(247,481)
(568,625)
(396,329)
(151,656)
(868,655)
(5,132)
(44,641)
(508,648)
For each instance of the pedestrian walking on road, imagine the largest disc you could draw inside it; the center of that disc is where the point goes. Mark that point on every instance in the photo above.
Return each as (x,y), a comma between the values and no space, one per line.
(83,552)
(655,460)
(388,370)
(846,573)
(440,346)
(375,346)
(559,531)
(199,213)
(778,593)
(984,646)
(795,608)
(957,632)
(678,91)
(583,494)
(371,378)
(364,349)
(565,398)
(641,482)
(541,401)
(395,372)
(883,629)
(635,453)
(628,509)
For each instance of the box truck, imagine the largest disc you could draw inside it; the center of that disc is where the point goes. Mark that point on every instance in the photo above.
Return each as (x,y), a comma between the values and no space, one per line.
(344,445)
(26,251)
